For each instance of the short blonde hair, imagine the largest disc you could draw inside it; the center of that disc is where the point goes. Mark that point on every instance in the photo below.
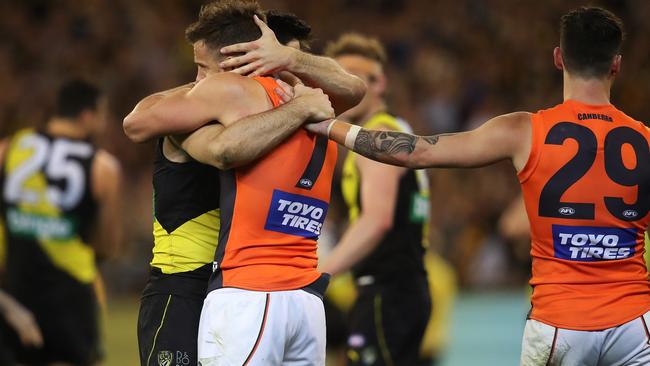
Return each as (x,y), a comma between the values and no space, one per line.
(357,44)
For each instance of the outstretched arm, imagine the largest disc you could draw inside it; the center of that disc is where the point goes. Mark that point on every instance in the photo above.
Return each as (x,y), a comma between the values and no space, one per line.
(266,56)
(253,136)
(501,138)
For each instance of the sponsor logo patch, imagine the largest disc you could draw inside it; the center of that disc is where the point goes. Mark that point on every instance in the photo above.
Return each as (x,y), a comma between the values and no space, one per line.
(295,214)
(590,244)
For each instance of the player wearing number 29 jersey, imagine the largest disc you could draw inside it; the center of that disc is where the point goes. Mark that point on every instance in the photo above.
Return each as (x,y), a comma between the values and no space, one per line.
(57,190)
(585,177)
(587,190)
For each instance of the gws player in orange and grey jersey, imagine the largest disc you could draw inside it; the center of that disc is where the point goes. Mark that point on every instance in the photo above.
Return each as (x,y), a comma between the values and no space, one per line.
(584,172)
(222,97)
(60,208)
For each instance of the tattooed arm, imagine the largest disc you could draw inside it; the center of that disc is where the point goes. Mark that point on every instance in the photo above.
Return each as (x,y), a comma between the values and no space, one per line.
(501,138)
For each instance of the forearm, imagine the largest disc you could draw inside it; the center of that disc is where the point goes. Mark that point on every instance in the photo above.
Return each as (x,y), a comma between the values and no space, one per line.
(345,90)
(389,147)
(247,139)
(358,241)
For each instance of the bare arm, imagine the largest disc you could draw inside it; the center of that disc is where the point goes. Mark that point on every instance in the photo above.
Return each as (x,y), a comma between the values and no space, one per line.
(251,137)
(375,219)
(266,55)
(21,320)
(501,138)
(142,124)
(106,181)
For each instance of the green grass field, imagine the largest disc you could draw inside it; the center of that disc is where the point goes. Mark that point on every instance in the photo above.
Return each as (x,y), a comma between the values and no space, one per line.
(489,324)
(120,340)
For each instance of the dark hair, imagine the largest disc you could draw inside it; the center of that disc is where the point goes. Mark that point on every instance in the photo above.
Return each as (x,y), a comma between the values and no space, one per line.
(287,27)
(226,22)
(590,38)
(357,44)
(76,96)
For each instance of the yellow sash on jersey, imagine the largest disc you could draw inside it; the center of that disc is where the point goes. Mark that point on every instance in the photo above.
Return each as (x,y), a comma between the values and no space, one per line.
(190,246)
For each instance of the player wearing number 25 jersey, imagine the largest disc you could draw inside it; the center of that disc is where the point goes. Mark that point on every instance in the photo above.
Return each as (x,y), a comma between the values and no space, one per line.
(58,189)
(584,173)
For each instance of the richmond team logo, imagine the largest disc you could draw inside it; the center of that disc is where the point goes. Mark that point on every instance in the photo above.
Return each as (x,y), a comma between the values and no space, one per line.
(590,244)
(295,214)
(165,358)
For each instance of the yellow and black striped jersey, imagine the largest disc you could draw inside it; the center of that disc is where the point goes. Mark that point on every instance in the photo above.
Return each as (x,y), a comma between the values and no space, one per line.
(186,216)
(48,210)
(401,249)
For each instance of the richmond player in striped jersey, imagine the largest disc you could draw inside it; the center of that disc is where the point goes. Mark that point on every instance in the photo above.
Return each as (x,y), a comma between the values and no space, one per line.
(60,207)
(584,173)
(215,145)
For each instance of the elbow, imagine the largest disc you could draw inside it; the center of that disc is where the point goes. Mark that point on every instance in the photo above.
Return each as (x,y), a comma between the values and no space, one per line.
(130,126)
(355,93)
(382,225)
(221,157)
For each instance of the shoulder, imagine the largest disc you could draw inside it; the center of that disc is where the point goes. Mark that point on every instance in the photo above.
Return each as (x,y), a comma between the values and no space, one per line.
(224,84)
(106,164)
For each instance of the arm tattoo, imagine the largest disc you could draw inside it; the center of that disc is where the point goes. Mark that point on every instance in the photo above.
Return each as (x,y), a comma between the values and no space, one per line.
(375,143)
(432,140)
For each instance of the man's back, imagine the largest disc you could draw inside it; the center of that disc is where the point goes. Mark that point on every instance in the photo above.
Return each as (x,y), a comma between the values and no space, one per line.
(272,214)
(587,190)
(48,208)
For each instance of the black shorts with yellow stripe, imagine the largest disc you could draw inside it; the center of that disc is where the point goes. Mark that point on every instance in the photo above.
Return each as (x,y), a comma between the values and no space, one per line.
(168,322)
(388,321)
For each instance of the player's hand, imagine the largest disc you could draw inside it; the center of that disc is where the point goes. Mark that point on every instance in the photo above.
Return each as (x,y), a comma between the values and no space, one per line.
(260,57)
(316,102)
(23,322)
(319,128)
(284,91)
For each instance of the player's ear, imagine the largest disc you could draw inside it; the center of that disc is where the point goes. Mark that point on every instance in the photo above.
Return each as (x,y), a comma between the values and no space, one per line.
(380,84)
(557,59)
(616,66)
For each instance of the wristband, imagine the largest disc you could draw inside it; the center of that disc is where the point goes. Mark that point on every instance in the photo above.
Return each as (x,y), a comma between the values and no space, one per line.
(329,127)
(351,137)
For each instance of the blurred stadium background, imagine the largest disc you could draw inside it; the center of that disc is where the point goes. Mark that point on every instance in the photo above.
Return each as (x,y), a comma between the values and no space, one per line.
(453,64)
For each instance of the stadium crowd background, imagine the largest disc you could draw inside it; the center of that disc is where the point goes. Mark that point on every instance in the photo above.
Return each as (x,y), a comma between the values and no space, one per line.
(453,64)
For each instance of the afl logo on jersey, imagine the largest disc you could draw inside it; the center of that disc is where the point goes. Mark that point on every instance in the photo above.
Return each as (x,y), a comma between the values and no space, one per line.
(306,183)
(566,211)
(630,214)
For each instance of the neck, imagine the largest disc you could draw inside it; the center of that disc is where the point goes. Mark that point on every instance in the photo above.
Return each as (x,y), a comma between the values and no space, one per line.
(66,127)
(378,107)
(588,91)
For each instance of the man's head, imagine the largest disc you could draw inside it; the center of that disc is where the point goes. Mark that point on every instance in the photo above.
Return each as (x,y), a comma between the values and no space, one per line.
(590,43)
(82,102)
(364,57)
(222,23)
(289,29)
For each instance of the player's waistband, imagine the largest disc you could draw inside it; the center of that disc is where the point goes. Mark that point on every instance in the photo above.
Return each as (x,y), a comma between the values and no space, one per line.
(316,288)
(189,284)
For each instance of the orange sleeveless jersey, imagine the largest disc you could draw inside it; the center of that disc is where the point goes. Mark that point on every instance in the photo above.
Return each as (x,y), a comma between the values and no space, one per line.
(587,191)
(272,212)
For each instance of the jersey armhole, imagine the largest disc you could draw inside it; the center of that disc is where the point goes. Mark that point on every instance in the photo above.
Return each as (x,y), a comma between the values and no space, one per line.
(533,156)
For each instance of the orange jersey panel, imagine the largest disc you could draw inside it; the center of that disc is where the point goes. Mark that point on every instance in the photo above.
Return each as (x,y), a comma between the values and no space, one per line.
(273,212)
(587,191)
